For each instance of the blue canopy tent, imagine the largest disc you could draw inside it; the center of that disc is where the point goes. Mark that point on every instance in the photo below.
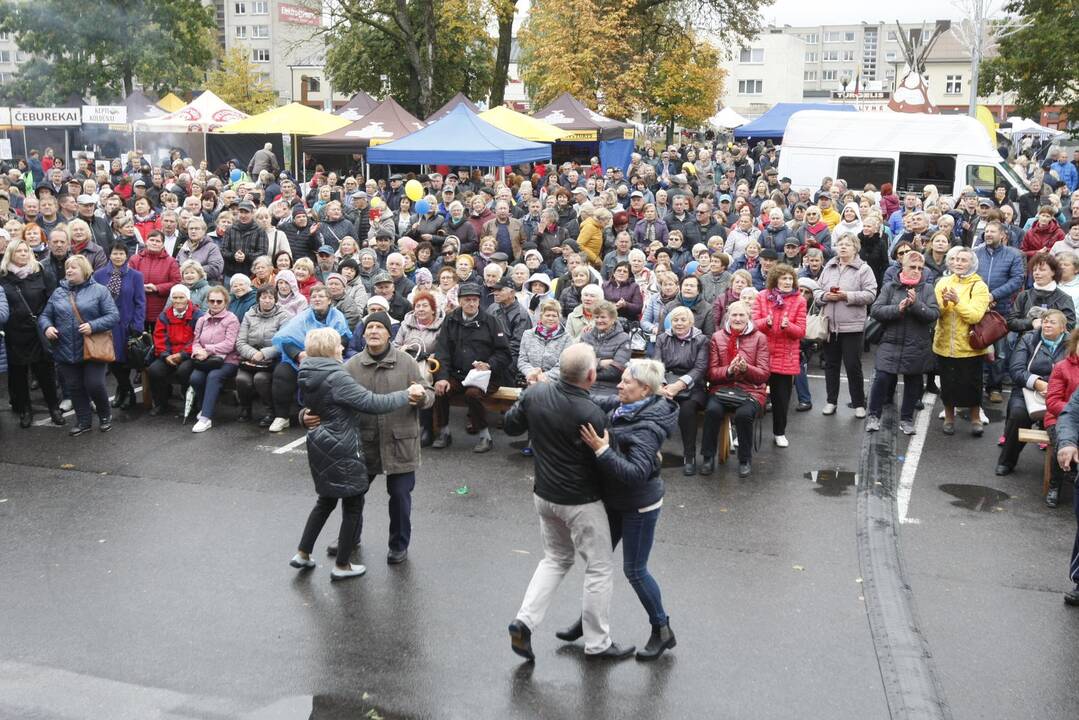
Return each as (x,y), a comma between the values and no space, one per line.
(460,139)
(770,125)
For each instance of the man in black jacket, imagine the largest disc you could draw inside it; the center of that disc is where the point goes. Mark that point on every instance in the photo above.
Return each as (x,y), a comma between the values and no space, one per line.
(470,340)
(243,242)
(567,497)
(515,321)
(100,230)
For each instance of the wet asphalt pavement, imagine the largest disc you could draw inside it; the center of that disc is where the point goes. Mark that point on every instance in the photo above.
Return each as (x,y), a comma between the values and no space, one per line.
(145,576)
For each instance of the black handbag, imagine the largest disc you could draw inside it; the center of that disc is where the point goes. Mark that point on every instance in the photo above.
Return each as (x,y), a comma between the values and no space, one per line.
(733,397)
(139,350)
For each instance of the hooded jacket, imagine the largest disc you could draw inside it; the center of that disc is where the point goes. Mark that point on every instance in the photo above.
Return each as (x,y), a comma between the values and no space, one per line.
(217,334)
(630,467)
(952,336)
(1041,238)
(295,303)
(334,448)
(843,227)
(256,333)
(419,339)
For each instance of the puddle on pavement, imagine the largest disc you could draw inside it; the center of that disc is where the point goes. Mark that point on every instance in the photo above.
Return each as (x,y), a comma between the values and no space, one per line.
(832,482)
(975,497)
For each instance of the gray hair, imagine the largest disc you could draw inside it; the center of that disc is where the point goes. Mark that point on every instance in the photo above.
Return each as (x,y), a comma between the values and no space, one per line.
(647,372)
(958,249)
(592,289)
(576,361)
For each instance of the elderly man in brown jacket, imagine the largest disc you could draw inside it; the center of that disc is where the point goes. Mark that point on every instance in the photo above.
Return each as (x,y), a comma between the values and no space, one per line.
(391,442)
(508,232)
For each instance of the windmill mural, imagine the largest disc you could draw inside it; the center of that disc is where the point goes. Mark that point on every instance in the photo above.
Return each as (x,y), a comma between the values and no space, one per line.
(911,94)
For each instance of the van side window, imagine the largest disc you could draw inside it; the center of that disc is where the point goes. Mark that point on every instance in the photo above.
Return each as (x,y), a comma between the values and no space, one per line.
(983,178)
(861,171)
(916,170)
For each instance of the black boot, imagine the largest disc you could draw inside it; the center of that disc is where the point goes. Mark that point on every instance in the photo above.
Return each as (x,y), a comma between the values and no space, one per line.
(573,632)
(56,415)
(26,419)
(661,639)
(120,398)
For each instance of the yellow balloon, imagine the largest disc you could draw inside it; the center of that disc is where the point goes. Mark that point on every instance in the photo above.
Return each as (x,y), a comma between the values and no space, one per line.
(414,190)
(376,203)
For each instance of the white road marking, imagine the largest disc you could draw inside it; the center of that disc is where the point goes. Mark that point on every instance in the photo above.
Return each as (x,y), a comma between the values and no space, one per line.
(294,444)
(910,463)
(69,413)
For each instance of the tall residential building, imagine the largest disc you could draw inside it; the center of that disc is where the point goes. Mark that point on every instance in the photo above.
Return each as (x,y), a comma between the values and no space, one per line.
(281,39)
(767,71)
(11,57)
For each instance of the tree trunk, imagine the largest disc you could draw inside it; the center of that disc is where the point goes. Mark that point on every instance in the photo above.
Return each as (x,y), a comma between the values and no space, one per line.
(129,84)
(502,58)
(420,82)
(670,131)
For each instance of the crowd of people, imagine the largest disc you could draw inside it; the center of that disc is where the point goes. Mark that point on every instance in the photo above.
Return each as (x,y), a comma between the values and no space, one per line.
(698,256)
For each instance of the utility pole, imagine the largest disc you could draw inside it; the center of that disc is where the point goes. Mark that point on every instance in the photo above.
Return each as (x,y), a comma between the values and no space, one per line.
(976,54)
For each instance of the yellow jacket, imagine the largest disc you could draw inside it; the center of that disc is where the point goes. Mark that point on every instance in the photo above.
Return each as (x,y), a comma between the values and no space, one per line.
(952,338)
(590,240)
(831,217)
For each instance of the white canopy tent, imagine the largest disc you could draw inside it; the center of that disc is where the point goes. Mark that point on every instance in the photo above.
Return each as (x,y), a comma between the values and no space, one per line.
(1025,127)
(204,114)
(726,119)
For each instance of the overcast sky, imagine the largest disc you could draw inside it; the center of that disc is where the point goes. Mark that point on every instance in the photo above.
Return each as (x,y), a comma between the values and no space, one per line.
(800,12)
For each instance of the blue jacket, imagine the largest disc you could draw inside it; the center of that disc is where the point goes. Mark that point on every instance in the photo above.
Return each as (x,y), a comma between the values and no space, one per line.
(3,321)
(96,307)
(630,467)
(131,305)
(1067,174)
(1003,270)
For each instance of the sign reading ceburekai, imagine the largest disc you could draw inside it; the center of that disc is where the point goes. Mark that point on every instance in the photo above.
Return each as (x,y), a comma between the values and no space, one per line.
(46,117)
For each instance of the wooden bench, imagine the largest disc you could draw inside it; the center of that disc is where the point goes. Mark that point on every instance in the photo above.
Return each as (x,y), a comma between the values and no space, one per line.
(148,397)
(499,401)
(1031,435)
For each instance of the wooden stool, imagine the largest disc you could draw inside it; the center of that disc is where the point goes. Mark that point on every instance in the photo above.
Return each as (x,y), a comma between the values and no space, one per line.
(1030,435)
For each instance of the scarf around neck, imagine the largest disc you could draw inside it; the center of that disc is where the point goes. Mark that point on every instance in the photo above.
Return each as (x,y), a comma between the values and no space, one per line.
(116,281)
(1048,287)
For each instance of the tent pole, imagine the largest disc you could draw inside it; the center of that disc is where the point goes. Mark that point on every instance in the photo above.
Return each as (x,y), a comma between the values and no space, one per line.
(305,167)
(205,152)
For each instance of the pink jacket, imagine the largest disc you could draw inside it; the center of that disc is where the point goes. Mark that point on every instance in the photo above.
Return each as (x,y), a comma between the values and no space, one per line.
(783,343)
(216,334)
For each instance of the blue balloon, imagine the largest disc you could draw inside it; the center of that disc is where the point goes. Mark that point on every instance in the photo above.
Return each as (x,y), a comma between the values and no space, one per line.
(236,174)
(422,207)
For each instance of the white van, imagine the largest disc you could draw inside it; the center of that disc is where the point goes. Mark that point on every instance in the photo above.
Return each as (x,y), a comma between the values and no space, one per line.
(908,150)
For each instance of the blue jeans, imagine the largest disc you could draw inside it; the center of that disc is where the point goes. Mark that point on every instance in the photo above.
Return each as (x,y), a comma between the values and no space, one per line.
(208,383)
(637,530)
(801,382)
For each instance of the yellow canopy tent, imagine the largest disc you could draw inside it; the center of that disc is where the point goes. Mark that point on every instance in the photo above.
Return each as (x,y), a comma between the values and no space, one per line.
(523,126)
(292,119)
(170,103)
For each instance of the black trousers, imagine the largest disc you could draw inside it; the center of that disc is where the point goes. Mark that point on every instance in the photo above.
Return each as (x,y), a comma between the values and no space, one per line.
(780,389)
(250,382)
(351,515)
(883,389)
(743,424)
(845,349)
(161,376)
(687,426)
(122,373)
(283,390)
(18,384)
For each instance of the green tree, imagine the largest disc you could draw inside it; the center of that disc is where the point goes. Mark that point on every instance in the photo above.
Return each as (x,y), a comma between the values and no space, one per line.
(1038,59)
(37,83)
(102,47)
(421,52)
(237,82)
(685,84)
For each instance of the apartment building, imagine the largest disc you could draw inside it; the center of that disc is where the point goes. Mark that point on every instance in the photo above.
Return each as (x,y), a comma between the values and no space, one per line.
(11,57)
(282,42)
(767,71)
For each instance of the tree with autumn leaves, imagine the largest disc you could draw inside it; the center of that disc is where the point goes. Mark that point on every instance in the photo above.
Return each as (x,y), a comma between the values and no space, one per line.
(620,58)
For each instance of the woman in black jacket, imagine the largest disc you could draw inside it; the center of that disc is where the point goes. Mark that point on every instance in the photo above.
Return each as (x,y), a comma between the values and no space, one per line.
(683,350)
(1031,304)
(27,287)
(334,448)
(640,420)
(1029,366)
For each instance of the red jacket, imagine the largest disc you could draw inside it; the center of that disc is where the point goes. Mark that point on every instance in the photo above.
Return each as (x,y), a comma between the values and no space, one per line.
(783,343)
(1039,238)
(753,346)
(175,334)
(160,270)
(152,222)
(1062,383)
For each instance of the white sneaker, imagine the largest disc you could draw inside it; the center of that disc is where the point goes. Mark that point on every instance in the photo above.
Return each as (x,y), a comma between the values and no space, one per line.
(781,441)
(829,409)
(340,574)
(859,412)
(299,563)
(278,425)
(202,425)
(65,405)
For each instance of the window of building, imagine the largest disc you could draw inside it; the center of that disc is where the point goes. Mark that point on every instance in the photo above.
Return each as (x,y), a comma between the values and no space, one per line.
(809,75)
(260,7)
(751,55)
(5,57)
(833,36)
(811,57)
(848,56)
(830,56)
(811,39)
(848,37)
(953,84)
(260,55)
(241,32)
(5,36)
(829,74)
(890,56)
(750,87)
(239,8)
(314,85)
(892,36)
(260,31)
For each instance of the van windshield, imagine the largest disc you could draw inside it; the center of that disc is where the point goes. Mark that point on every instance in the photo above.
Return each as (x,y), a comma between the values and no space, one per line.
(1019,183)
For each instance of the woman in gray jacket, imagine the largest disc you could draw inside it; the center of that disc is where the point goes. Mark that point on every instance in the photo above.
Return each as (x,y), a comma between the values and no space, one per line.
(847,289)
(258,354)
(334,449)
(683,350)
